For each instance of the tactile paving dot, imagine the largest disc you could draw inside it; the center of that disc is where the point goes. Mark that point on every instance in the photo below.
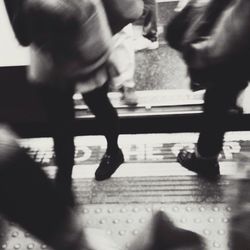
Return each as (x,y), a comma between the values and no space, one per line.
(17,246)
(215,209)
(142,220)
(210,220)
(115,221)
(175,209)
(221,232)
(197,220)
(202,209)
(216,244)
(129,221)
(183,220)
(109,232)
(14,234)
(102,221)
(123,210)
(31,246)
(207,232)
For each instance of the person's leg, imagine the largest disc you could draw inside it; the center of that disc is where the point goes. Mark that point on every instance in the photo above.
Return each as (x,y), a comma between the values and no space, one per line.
(59,107)
(123,59)
(217,103)
(149,38)
(150,20)
(106,115)
(162,233)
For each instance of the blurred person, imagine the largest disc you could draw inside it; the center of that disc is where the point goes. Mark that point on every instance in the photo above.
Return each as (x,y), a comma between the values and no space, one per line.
(215,51)
(123,59)
(149,38)
(30,199)
(65,50)
(68,53)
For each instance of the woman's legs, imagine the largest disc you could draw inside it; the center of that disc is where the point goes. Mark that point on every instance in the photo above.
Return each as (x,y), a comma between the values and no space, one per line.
(106,115)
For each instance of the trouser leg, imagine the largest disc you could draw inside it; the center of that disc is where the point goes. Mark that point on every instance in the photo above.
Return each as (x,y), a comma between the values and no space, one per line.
(217,102)
(150,20)
(106,115)
(59,107)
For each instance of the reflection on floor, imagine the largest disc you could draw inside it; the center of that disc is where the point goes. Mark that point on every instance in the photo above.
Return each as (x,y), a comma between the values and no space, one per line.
(149,181)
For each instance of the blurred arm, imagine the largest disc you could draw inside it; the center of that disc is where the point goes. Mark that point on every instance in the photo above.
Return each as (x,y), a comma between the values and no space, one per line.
(229,41)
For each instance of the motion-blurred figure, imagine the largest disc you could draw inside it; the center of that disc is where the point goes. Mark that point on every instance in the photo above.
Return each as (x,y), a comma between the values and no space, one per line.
(29,198)
(70,48)
(214,46)
(69,52)
(162,234)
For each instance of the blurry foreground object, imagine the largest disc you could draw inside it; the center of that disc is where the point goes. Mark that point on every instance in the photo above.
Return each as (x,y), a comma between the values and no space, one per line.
(214,43)
(29,199)
(213,37)
(162,234)
(239,227)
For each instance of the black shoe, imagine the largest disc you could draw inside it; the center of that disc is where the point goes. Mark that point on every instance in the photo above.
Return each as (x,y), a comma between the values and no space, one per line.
(108,165)
(207,168)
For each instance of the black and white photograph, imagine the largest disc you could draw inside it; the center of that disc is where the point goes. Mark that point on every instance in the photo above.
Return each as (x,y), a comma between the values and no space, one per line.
(124,125)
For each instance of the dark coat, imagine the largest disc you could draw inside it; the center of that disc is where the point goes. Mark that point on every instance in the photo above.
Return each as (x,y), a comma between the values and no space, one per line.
(218,52)
(69,39)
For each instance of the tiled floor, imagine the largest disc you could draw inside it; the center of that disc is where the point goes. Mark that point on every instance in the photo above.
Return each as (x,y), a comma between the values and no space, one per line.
(149,181)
